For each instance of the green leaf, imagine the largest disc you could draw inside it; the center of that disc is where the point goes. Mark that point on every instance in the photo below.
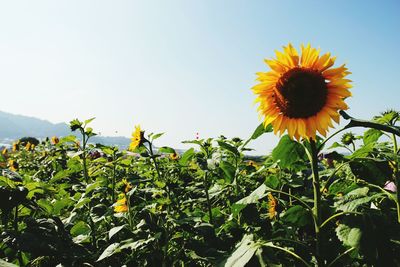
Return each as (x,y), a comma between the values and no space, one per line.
(261,129)
(336,145)
(272,181)
(371,136)
(355,198)
(80,228)
(115,230)
(349,236)
(243,253)
(229,170)
(372,171)
(6,264)
(297,215)
(86,122)
(255,196)
(61,204)
(228,147)
(110,250)
(186,157)
(46,205)
(288,152)
(156,136)
(91,187)
(166,149)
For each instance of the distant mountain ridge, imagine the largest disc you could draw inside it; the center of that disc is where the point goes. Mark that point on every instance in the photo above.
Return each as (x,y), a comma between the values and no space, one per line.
(13,127)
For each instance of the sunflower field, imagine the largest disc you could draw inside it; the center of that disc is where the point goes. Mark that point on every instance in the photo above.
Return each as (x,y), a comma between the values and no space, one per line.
(66,201)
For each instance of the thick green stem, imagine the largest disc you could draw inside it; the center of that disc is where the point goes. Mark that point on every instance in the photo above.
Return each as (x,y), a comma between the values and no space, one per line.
(317,201)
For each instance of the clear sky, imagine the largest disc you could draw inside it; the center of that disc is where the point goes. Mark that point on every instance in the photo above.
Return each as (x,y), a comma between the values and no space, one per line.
(183,67)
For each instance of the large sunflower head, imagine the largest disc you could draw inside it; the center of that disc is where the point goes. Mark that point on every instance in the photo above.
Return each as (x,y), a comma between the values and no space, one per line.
(302,94)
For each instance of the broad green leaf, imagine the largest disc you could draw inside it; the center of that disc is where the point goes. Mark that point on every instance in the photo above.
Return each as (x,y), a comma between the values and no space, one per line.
(349,236)
(89,120)
(110,250)
(115,230)
(255,196)
(243,253)
(92,186)
(135,244)
(229,170)
(228,147)
(80,228)
(156,136)
(355,198)
(186,157)
(336,145)
(6,264)
(272,181)
(297,215)
(46,205)
(166,149)
(260,130)
(371,136)
(288,152)
(61,204)
(373,171)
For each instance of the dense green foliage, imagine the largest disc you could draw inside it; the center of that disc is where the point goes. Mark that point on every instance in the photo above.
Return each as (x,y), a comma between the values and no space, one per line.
(210,206)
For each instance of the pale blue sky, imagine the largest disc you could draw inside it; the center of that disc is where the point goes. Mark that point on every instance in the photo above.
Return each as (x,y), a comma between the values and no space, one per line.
(183,67)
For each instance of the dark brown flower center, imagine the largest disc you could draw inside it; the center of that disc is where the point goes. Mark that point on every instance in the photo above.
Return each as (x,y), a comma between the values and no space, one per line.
(301,93)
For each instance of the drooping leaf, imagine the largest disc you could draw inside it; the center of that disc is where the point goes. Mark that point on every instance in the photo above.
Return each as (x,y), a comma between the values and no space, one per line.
(115,230)
(371,136)
(186,157)
(288,152)
(260,130)
(297,215)
(349,236)
(166,149)
(228,147)
(229,170)
(109,251)
(243,253)
(80,228)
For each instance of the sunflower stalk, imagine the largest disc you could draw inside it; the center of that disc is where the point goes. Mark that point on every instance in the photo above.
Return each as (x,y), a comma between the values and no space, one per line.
(166,228)
(313,156)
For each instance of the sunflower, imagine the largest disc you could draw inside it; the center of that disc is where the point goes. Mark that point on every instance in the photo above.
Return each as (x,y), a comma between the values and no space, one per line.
(55,140)
(271,206)
(301,94)
(128,185)
(137,138)
(174,156)
(121,204)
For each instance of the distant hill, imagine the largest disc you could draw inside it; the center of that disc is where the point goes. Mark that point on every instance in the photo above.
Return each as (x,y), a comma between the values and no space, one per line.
(13,127)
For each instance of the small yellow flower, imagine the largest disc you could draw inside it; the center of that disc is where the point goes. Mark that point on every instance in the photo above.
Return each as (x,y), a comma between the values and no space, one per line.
(15,146)
(272,202)
(121,204)
(252,164)
(28,146)
(128,185)
(12,165)
(55,140)
(137,138)
(174,156)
